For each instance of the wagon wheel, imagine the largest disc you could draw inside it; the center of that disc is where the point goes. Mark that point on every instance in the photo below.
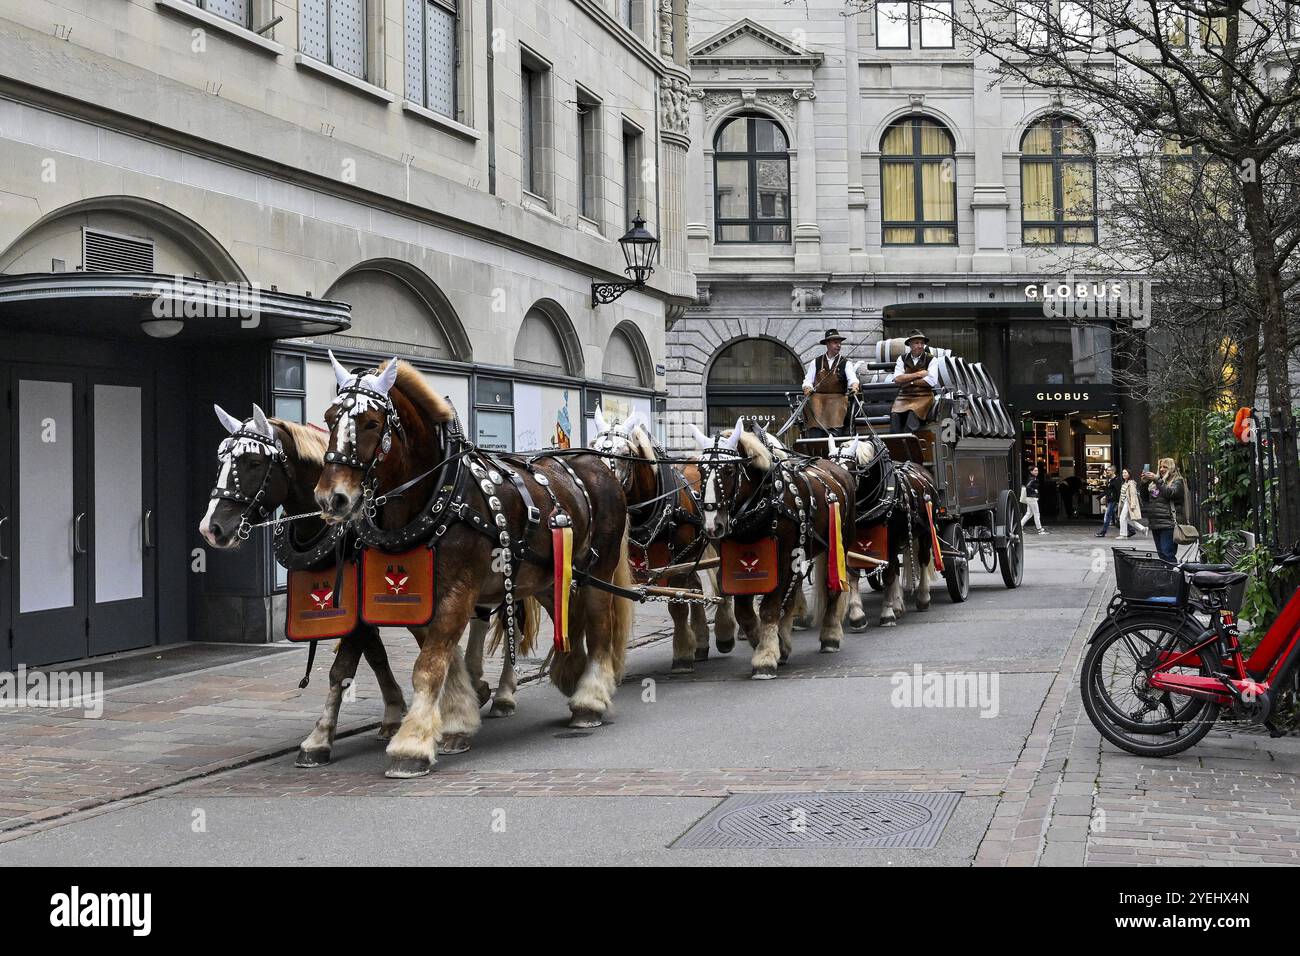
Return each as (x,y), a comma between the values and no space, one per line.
(1012,553)
(988,554)
(956,566)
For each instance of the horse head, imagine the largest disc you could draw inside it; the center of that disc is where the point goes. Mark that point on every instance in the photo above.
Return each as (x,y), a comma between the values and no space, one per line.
(730,466)
(856,455)
(363,424)
(622,442)
(252,482)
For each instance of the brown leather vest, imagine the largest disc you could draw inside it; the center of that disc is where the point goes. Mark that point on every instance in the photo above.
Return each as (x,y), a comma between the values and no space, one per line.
(919,388)
(830,380)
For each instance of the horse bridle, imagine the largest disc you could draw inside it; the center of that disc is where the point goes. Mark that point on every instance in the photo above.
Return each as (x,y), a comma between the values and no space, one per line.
(231,449)
(352,400)
(708,463)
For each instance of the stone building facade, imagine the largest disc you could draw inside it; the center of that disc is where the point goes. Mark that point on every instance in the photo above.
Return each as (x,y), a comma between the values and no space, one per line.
(441,180)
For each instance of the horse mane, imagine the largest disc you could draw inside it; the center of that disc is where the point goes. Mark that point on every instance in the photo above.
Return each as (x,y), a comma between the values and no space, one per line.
(418,392)
(642,444)
(308,443)
(756,450)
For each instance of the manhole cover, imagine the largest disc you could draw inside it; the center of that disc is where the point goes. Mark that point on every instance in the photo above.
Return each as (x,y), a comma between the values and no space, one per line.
(849,820)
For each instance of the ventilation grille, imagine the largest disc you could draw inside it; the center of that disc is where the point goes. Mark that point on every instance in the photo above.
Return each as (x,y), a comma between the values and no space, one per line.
(109,252)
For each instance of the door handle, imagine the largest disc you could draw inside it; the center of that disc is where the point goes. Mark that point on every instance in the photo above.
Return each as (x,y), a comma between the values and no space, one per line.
(148,533)
(3,522)
(77,546)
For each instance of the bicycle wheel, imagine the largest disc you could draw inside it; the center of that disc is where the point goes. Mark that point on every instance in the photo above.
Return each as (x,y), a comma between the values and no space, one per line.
(1120,704)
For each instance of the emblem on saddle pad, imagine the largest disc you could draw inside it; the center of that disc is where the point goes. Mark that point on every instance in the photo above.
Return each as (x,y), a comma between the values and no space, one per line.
(310,611)
(397,578)
(397,589)
(749,568)
(321,594)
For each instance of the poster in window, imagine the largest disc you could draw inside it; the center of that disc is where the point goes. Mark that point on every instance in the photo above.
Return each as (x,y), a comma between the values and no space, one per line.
(495,430)
(545,417)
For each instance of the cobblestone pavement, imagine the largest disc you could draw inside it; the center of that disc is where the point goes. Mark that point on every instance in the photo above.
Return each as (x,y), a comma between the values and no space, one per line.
(1038,786)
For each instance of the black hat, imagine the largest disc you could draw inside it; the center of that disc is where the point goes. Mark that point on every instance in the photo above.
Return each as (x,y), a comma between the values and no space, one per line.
(832,335)
(916,334)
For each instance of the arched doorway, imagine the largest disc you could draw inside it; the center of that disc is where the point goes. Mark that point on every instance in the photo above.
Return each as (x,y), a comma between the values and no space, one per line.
(751,377)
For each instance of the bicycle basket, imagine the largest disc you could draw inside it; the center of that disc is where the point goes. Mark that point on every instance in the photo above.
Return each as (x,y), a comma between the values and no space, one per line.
(1145,577)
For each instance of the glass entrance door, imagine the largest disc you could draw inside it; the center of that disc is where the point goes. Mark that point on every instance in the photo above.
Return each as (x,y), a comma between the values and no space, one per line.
(77,542)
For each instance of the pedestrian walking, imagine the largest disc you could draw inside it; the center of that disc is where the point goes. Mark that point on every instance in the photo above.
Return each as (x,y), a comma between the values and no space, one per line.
(1031,502)
(1163,492)
(1130,507)
(1111,500)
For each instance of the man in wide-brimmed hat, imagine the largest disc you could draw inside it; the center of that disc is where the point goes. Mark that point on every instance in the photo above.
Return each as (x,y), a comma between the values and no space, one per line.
(915,373)
(829,380)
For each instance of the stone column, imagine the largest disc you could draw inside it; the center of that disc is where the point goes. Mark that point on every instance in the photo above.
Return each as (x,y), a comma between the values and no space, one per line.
(697,189)
(853,145)
(674,140)
(807,232)
(989,202)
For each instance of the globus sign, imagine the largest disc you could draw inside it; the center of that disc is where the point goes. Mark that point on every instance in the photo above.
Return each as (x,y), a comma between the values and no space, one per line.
(1069,395)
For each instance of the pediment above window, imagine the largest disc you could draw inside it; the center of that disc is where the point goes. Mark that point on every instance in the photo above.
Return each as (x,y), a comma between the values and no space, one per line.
(747,43)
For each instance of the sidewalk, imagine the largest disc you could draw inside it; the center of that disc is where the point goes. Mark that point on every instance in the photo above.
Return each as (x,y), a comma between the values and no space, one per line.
(162,731)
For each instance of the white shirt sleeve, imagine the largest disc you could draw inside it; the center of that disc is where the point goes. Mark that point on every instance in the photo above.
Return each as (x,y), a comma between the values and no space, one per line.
(898,368)
(851,371)
(808,378)
(930,377)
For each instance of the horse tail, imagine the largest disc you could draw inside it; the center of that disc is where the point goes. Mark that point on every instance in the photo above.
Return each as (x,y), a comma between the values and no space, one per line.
(621,611)
(529,621)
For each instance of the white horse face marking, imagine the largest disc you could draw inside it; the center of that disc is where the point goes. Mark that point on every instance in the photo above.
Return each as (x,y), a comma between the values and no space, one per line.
(711,502)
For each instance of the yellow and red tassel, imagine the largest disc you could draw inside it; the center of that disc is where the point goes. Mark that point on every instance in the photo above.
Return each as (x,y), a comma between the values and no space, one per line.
(562,558)
(837,571)
(934,537)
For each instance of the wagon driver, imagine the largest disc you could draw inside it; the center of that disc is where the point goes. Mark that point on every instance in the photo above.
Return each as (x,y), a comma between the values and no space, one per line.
(915,373)
(829,380)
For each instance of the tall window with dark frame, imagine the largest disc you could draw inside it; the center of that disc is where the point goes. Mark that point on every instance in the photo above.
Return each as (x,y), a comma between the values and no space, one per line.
(934,19)
(530,99)
(432,54)
(751,181)
(632,159)
(1058,184)
(918,184)
(237,11)
(334,32)
(589,155)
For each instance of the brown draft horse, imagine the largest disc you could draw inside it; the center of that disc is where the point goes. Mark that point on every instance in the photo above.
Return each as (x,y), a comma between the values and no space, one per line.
(657,516)
(750,492)
(267,463)
(390,434)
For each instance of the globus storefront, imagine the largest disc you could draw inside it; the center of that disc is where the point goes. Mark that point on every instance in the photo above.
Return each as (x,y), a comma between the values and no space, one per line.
(1058,379)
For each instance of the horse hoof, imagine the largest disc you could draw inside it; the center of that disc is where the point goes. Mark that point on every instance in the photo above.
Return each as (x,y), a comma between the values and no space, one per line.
(829,647)
(763,672)
(702,653)
(388,731)
(859,623)
(726,647)
(307,759)
(502,708)
(484,692)
(584,719)
(453,744)
(785,656)
(684,665)
(923,607)
(403,768)
(889,624)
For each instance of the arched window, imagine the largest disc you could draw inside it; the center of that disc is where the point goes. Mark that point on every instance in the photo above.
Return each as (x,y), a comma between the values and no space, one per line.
(751,177)
(1058,192)
(751,377)
(918,184)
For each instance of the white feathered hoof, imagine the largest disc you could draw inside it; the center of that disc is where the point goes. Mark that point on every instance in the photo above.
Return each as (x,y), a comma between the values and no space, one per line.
(308,759)
(683,665)
(830,647)
(889,622)
(502,708)
(453,744)
(858,622)
(763,672)
(404,768)
(585,719)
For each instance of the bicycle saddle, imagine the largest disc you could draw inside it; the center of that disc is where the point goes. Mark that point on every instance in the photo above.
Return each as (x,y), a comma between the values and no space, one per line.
(1216,580)
(1192,567)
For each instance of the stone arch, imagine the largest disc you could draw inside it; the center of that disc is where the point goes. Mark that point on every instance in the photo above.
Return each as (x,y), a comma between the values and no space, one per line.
(406,307)
(627,359)
(929,112)
(758,109)
(547,341)
(182,246)
(1016,132)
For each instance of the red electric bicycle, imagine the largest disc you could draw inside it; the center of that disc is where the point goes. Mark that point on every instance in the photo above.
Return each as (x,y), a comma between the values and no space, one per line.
(1167,661)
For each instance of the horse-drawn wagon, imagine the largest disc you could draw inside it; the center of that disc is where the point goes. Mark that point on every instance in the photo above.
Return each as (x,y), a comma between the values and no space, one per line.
(965,448)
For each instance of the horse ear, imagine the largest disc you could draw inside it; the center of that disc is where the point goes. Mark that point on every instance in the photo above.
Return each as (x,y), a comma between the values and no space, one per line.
(830,444)
(383,382)
(733,440)
(260,422)
(601,425)
(629,425)
(231,423)
(701,439)
(341,375)
(853,448)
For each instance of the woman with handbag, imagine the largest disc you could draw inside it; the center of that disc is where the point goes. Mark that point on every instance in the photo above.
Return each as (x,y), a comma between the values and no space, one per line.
(1130,506)
(1029,498)
(1165,494)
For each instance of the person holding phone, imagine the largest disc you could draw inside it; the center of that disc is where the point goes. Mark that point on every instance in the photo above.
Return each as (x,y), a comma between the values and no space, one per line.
(1164,494)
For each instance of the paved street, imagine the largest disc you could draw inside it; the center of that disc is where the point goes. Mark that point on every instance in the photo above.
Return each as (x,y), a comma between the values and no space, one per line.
(197,768)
